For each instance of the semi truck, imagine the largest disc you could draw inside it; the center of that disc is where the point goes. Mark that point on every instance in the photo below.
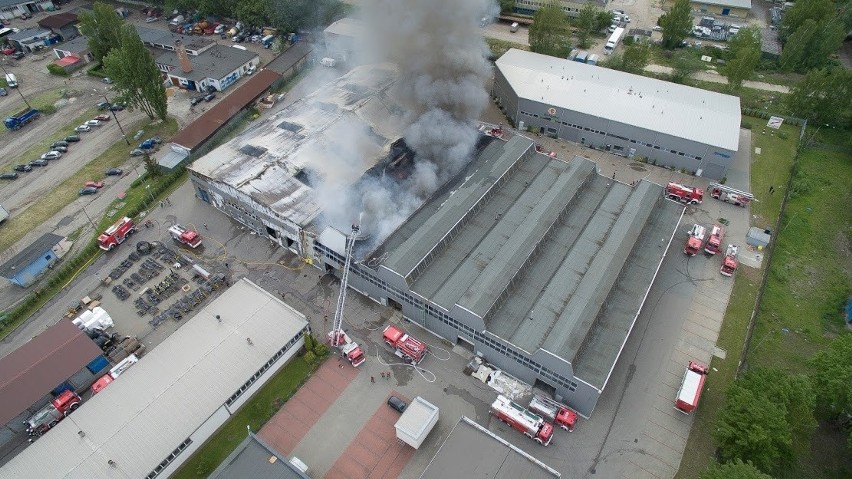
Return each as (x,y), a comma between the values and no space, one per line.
(348,348)
(730,195)
(714,243)
(559,414)
(526,422)
(53,412)
(613,40)
(695,240)
(16,122)
(684,194)
(730,261)
(116,234)
(185,236)
(114,373)
(690,387)
(404,346)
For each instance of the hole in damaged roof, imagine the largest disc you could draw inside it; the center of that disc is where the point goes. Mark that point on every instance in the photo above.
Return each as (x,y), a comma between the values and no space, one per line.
(286,125)
(252,150)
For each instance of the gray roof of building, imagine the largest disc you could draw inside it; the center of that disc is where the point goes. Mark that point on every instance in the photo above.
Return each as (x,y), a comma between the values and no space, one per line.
(161,37)
(29,254)
(161,401)
(315,134)
(727,3)
(472,451)
(253,459)
(76,45)
(12,3)
(28,33)
(534,246)
(216,62)
(690,113)
(286,60)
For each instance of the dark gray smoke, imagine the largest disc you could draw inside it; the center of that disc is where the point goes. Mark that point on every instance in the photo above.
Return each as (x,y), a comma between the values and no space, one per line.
(438,48)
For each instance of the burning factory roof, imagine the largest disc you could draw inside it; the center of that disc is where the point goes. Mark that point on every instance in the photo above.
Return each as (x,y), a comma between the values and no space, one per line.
(316,147)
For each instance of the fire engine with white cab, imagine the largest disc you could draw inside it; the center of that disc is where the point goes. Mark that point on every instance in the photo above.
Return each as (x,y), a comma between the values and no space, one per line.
(730,261)
(714,243)
(690,387)
(695,240)
(185,236)
(524,421)
(684,194)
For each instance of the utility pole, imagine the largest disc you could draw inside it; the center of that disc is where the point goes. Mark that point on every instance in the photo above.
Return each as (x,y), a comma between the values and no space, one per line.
(115,117)
(17,88)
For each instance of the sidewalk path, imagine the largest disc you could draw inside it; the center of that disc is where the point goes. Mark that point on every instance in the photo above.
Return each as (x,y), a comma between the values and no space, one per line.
(717,78)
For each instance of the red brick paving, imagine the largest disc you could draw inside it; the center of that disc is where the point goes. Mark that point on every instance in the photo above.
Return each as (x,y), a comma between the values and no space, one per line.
(375,453)
(297,417)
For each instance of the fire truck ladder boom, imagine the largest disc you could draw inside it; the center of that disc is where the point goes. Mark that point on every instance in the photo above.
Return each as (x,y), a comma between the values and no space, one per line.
(337,326)
(728,189)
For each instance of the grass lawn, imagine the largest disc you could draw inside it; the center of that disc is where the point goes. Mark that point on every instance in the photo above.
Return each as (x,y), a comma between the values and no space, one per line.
(43,145)
(770,168)
(67,191)
(254,413)
(499,47)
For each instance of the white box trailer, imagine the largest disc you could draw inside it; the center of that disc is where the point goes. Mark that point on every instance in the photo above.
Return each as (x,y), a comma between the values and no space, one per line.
(416,422)
(96,318)
(613,40)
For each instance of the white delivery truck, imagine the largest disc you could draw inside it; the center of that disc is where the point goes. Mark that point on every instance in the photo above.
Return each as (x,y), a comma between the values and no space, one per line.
(11,80)
(613,40)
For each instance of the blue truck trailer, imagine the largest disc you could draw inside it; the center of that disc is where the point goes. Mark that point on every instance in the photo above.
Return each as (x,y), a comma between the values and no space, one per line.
(18,121)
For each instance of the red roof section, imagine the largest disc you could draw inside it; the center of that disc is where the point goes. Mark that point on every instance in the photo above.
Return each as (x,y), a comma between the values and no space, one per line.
(200,130)
(36,368)
(67,60)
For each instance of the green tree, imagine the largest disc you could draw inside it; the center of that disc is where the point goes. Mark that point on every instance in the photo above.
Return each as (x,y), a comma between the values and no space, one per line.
(151,166)
(137,79)
(676,24)
(802,11)
(811,44)
(507,6)
(793,392)
(603,19)
(684,64)
(743,56)
(548,31)
(755,430)
(635,57)
(102,27)
(733,470)
(295,15)
(832,375)
(586,22)
(252,12)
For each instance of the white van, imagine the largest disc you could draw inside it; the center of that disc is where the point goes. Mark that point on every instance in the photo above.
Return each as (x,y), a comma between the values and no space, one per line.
(328,62)
(11,80)
(514,28)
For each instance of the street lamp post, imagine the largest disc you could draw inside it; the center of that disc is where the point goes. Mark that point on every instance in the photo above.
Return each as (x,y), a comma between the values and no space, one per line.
(18,88)
(115,117)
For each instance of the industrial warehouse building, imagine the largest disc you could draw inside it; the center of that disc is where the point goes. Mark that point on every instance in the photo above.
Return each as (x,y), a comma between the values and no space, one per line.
(152,418)
(629,115)
(539,264)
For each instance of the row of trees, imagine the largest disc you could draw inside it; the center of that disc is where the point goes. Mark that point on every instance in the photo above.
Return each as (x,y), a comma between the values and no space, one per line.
(811,31)
(117,46)
(286,15)
(767,410)
(551,31)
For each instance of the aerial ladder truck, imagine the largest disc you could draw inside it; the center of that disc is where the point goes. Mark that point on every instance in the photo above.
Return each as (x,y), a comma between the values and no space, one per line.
(337,337)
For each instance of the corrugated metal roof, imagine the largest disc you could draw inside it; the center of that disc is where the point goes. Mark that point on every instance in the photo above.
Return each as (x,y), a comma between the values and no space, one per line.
(33,370)
(253,459)
(29,254)
(346,27)
(154,406)
(472,451)
(58,20)
(726,3)
(284,62)
(655,105)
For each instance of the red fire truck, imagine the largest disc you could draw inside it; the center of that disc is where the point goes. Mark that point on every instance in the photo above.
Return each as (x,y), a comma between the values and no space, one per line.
(690,388)
(185,236)
(524,421)
(695,240)
(350,349)
(559,414)
(50,415)
(730,195)
(714,244)
(116,234)
(730,262)
(404,346)
(684,194)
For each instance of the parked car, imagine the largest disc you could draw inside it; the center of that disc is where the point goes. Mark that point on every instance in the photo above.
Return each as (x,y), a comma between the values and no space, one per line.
(18,55)
(83,128)
(137,152)
(61,149)
(9,175)
(89,190)
(250,70)
(397,404)
(3,91)
(114,172)
(8,50)
(116,107)
(59,143)
(103,117)
(39,162)
(151,19)
(209,97)
(51,155)
(23,168)
(196,100)
(103,105)
(93,123)
(72,138)
(106,80)
(94,184)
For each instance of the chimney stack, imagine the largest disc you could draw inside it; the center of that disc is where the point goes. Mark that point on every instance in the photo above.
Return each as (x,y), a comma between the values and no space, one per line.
(183,57)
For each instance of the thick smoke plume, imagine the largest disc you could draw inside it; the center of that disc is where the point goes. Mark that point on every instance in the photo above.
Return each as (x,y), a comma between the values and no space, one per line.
(438,48)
